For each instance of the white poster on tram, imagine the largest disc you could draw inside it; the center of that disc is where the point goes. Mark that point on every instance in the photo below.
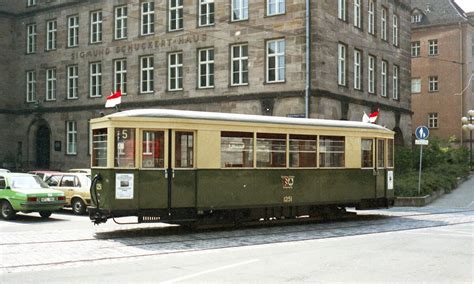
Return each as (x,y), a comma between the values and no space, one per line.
(124,186)
(390,180)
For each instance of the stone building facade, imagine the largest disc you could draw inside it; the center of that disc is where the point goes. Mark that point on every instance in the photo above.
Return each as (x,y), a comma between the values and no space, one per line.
(442,67)
(63,57)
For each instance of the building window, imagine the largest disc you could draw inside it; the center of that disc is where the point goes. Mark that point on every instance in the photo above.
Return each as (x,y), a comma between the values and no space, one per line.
(275,61)
(239,62)
(96,27)
(71,137)
(433,47)
(396,82)
(371,17)
(416,86)
(206,68)
(148,18)
(31,38)
(175,15)
(416,18)
(271,150)
(433,120)
(240,10)
(341,66)
(395,30)
(72,81)
(51,84)
(51,32)
(72,31)
(384,78)
(146,74)
(357,69)
(341,9)
(371,75)
(415,49)
(433,83)
(30,86)
(30,3)
(367,159)
(236,150)
(331,152)
(184,150)
(275,7)
(383,23)
(121,14)
(96,79)
(357,15)
(120,76)
(206,13)
(175,71)
(303,151)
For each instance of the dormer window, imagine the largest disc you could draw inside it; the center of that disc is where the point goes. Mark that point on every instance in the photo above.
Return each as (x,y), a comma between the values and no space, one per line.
(416,17)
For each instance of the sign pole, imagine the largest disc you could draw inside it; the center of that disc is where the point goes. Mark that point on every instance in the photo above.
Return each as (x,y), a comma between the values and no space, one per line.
(419,174)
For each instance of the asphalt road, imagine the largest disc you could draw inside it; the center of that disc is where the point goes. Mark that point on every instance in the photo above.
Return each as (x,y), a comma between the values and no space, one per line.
(430,244)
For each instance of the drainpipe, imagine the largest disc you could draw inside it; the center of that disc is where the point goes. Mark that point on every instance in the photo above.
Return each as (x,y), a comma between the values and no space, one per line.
(308,59)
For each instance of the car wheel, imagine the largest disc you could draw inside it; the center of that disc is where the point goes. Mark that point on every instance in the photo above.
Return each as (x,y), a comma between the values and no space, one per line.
(7,210)
(78,207)
(45,214)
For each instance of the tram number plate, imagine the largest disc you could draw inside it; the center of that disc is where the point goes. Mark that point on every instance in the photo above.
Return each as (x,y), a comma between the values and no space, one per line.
(47,199)
(288,199)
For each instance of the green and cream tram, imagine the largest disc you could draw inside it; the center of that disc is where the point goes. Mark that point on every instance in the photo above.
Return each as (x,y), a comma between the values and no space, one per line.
(185,166)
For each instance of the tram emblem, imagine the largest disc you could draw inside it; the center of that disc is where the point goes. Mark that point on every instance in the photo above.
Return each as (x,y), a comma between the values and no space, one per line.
(287,182)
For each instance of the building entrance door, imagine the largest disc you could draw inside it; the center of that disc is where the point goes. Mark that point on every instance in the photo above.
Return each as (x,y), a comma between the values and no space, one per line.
(43,146)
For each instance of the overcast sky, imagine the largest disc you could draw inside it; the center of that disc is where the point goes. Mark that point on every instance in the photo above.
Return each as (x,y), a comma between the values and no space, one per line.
(466,5)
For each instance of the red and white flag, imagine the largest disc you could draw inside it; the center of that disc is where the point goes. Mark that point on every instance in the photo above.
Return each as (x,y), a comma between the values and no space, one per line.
(114,99)
(371,118)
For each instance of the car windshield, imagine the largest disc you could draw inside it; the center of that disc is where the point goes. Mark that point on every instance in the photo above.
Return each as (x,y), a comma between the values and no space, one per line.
(27,182)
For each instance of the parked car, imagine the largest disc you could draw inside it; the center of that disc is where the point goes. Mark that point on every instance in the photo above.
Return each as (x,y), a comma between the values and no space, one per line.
(44,174)
(27,193)
(76,189)
(85,171)
(4,171)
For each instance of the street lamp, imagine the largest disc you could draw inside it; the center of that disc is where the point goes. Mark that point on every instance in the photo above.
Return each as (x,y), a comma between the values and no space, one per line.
(468,124)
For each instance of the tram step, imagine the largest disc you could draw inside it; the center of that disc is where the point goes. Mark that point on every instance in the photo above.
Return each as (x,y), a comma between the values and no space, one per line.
(148,219)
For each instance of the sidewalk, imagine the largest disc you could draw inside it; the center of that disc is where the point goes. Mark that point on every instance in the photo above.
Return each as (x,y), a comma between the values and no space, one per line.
(462,197)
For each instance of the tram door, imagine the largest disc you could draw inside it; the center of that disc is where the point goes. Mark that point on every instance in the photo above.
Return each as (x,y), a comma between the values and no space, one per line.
(380,169)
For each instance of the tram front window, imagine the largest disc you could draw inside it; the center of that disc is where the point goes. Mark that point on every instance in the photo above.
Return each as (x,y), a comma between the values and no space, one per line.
(99,148)
(153,149)
(184,152)
(124,148)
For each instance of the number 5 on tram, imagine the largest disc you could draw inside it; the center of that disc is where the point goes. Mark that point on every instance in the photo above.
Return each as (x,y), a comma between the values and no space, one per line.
(183,167)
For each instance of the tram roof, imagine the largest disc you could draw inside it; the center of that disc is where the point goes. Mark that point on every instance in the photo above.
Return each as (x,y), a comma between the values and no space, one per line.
(218,116)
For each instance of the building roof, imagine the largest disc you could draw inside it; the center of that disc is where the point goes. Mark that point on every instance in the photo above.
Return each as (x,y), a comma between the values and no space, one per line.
(437,12)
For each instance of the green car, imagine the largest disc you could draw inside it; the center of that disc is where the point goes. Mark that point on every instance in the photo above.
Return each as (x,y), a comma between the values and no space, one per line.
(27,193)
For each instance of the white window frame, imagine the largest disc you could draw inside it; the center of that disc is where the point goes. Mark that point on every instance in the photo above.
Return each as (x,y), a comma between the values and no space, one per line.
(415,49)
(433,47)
(383,24)
(96,24)
(357,69)
(71,137)
(279,53)
(341,64)
(279,7)
(51,34)
(415,85)
(147,73)
(175,20)
(73,31)
(147,18)
(120,75)
(209,16)
(95,79)
(31,3)
(121,22)
(433,120)
(72,82)
(416,18)
(341,10)
(395,40)
(384,78)
(51,84)
(175,63)
(30,86)
(371,17)
(239,10)
(208,64)
(240,63)
(433,83)
(31,38)
(371,74)
(357,14)
(396,82)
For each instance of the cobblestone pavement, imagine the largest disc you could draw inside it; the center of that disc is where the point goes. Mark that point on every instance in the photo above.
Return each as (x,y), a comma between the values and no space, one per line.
(33,244)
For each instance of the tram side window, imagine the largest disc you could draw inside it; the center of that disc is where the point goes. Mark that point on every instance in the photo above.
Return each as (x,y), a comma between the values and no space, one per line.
(271,150)
(303,151)
(153,149)
(236,150)
(390,153)
(331,152)
(380,153)
(367,153)
(99,148)
(124,147)
(184,150)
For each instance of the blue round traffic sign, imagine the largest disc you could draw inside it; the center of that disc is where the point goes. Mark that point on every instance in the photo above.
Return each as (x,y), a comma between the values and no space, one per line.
(422,132)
